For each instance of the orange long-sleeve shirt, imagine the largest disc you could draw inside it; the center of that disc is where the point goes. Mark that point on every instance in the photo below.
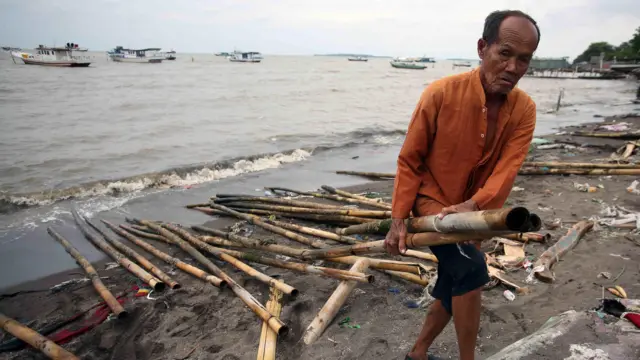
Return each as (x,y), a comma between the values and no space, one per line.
(443,156)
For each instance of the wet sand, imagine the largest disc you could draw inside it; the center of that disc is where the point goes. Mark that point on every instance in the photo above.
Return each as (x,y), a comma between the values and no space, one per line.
(202,322)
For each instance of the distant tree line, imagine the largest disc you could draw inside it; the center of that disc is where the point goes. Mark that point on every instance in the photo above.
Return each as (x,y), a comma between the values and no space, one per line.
(628,50)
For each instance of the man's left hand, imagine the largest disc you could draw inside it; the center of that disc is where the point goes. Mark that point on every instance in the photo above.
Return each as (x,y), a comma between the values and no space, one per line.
(466,206)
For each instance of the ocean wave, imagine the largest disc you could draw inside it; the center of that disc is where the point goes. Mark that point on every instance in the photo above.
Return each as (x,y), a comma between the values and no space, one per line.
(178,177)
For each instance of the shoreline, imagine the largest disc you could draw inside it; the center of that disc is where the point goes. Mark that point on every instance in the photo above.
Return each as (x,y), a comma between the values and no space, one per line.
(180,322)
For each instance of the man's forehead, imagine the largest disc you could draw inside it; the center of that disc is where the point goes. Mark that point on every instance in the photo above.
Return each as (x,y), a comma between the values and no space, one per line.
(518,26)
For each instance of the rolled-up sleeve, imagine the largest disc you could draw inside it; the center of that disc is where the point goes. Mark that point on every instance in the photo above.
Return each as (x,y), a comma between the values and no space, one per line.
(411,160)
(498,186)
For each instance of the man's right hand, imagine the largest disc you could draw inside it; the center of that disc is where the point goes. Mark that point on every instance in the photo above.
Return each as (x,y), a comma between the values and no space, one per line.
(395,242)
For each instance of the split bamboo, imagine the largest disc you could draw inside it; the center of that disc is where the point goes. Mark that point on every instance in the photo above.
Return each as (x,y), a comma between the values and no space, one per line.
(333,197)
(526,237)
(313,217)
(335,191)
(333,305)
(268,337)
(290,265)
(413,268)
(568,165)
(275,200)
(108,297)
(35,339)
(542,266)
(259,309)
(501,276)
(610,135)
(280,285)
(368,174)
(155,283)
(312,231)
(541,171)
(299,210)
(189,269)
(148,265)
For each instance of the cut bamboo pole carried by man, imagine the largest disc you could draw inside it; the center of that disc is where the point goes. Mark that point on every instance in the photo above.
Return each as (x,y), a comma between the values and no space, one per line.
(253,304)
(91,272)
(280,285)
(144,262)
(97,240)
(35,339)
(189,269)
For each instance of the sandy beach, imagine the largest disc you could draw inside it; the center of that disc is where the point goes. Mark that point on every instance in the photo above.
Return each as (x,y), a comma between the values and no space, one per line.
(200,321)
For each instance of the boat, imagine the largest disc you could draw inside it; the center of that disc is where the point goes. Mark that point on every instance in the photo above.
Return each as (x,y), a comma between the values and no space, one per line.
(141,56)
(10,49)
(67,56)
(246,57)
(357,58)
(225,54)
(425,59)
(399,64)
(462,64)
(170,55)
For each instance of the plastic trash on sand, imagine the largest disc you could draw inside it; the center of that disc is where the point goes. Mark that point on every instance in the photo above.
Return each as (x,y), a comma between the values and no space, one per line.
(585,187)
(540,141)
(623,126)
(633,188)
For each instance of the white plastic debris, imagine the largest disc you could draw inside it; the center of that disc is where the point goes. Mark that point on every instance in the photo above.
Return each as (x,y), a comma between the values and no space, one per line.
(616,127)
(509,295)
(517,189)
(585,187)
(633,188)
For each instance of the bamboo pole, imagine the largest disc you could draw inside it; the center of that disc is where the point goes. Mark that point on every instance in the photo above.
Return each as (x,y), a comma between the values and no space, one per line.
(413,268)
(526,237)
(102,290)
(143,234)
(333,305)
(189,269)
(155,283)
(368,174)
(339,192)
(542,171)
(268,337)
(209,211)
(243,294)
(312,217)
(312,231)
(191,206)
(299,210)
(148,265)
(610,135)
(35,339)
(568,165)
(280,285)
(275,200)
(332,197)
(290,265)
(420,280)
(542,266)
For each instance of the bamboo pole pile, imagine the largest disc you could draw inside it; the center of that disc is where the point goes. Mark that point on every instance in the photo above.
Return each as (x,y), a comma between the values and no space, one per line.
(268,337)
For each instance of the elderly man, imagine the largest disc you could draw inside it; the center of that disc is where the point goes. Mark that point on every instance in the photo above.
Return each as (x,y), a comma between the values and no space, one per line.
(466,141)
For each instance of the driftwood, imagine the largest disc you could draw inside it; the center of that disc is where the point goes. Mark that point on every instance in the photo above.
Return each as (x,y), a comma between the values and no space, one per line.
(91,272)
(333,305)
(339,192)
(368,174)
(253,304)
(148,265)
(543,171)
(299,210)
(526,237)
(280,285)
(189,269)
(97,240)
(268,337)
(35,339)
(542,266)
(568,165)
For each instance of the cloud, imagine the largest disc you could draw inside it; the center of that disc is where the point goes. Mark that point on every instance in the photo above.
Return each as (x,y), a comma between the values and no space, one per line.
(396,28)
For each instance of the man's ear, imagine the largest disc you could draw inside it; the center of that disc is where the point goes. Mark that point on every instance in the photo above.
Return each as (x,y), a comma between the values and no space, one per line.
(482,48)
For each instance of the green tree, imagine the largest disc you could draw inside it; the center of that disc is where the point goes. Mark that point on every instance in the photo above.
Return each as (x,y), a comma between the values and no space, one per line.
(635,41)
(595,49)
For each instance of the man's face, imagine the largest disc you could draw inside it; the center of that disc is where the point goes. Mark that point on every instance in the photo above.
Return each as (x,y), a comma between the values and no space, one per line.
(507,60)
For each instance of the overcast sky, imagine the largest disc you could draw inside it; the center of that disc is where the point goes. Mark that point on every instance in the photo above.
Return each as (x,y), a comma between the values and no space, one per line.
(441,29)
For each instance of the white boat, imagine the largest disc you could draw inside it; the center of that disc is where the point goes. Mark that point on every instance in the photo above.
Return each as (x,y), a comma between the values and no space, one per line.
(170,55)
(357,58)
(68,56)
(462,64)
(247,57)
(141,56)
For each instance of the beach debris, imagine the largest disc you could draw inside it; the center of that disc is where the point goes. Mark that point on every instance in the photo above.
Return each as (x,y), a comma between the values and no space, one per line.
(633,188)
(554,224)
(611,135)
(618,291)
(529,236)
(619,217)
(373,175)
(517,189)
(111,265)
(619,256)
(67,283)
(544,264)
(331,307)
(108,297)
(513,256)
(604,275)
(509,295)
(556,146)
(33,338)
(623,126)
(540,141)
(268,337)
(346,323)
(366,199)
(411,304)
(501,276)
(585,187)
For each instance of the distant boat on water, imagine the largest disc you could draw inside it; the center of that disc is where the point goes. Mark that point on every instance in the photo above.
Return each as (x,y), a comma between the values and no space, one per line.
(246,57)
(403,64)
(140,56)
(170,55)
(225,54)
(9,48)
(462,64)
(357,58)
(67,56)
(425,59)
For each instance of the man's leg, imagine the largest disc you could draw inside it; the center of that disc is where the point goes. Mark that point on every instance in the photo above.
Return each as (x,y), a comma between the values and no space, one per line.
(466,318)
(436,320)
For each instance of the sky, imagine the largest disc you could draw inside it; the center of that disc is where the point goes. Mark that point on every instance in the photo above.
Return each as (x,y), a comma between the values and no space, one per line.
(441,29)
